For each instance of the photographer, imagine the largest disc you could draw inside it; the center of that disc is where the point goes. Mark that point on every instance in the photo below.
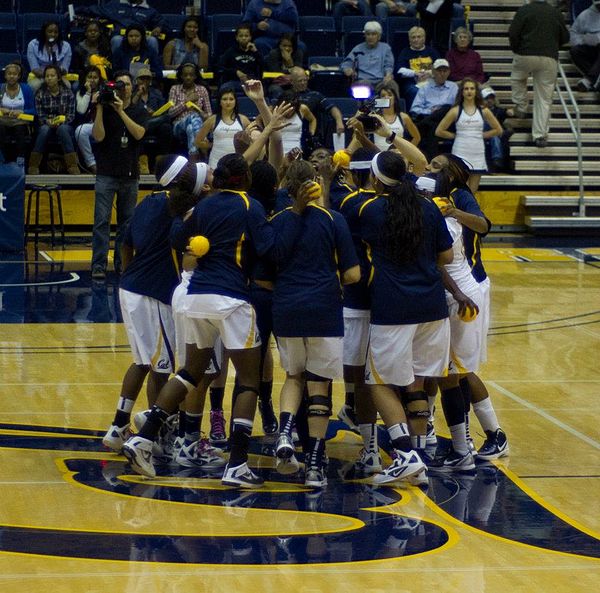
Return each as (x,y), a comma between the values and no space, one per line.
(118,129)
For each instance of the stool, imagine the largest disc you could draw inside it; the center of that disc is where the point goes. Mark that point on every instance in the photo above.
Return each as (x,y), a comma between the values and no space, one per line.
(53,192)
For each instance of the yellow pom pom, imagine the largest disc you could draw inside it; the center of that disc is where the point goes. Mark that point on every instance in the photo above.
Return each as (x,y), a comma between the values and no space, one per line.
(441,203)
(341,159)
(469,314)
(314,190)
(199,245)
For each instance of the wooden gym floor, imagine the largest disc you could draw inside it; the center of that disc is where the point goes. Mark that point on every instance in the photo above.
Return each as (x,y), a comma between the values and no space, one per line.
(74,519)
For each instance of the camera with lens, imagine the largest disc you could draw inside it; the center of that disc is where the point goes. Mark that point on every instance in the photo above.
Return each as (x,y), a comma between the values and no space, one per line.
(108,90)
(368,106)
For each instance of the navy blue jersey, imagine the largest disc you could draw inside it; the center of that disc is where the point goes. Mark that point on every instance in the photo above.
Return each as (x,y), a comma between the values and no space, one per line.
(282,200)
(356,296)
(307,299)
(337,192)
(410,292)
(153,271)
(237,230)
(464,200)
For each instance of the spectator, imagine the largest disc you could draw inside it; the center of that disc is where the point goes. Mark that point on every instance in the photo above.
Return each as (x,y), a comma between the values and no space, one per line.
(223,126)
(585,47)
(93,49)
(469,116)
(85,105)
(187,120)
(436,19)
(431,104)
(344,8)
(269,20)
(464,61)
(118,131)
(158,128)
(415,64)
(242,62)
(499,147)
(188,48)
(399,122)
(48,48)
(395,8)
(16,98)
(282,59)
(371,61)
(134,53)
(124,13)
(536,33)
(55,106)
(318,104)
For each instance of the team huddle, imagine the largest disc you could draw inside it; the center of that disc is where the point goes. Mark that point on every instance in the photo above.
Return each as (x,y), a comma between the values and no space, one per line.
(364,266)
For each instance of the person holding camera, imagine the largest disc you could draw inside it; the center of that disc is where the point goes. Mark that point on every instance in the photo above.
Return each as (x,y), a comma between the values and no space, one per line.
(118,130)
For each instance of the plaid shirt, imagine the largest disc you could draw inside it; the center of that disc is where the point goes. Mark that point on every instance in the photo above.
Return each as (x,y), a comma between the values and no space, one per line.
(177,96)
(49,106)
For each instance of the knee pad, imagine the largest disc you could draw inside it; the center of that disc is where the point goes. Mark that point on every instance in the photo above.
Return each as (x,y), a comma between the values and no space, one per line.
(241,388)
(186,379)
(411,399)
(319,405)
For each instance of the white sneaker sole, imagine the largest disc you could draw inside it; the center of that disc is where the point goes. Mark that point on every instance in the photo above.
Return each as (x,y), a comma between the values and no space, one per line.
(138,469)
(383,479)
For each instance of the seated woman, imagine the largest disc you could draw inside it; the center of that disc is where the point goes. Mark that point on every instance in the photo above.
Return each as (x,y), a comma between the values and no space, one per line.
(48,48)
(134,53)
(55,106)
(16,98)
(464,61)
(188,48)
(85,104)
(187,120)
(93,50)
(398,121)
(281,59)
(223,125)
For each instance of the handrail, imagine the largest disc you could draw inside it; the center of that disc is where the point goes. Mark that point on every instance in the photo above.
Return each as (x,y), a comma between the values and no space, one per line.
(575,129)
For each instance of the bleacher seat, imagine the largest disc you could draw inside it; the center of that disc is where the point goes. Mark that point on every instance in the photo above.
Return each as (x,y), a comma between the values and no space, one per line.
(7,6)
(312,7)
(210,7)
(221,30)
(318,34)
(170,6)
(398,40)
(352,31)
(347,105)
(8,32)
(32,23)
(247,107)
(29,6)
(578,6)
(64,4)
(332,83)
(175,22)
(398,23)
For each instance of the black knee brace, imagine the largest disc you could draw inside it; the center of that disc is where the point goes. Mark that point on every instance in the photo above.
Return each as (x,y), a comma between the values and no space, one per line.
(242,388)
(186,379)
(409,398)
(317,378)
(316,403)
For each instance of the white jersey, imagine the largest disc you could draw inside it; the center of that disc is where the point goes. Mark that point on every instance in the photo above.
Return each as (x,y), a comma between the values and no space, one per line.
(396,126)
(291,135)
(459,269)
(223,140)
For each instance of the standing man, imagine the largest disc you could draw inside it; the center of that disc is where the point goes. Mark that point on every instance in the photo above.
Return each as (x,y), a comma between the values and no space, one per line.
(118,129)
(536,34)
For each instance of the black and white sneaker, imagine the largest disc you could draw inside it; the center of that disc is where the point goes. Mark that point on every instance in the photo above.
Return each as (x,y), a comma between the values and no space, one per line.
(454,461)
(348,416)
(495,445)
(241,476)
(269,420)
(284,449)
(403,466)
(116,436)
(315,477)
(139,453)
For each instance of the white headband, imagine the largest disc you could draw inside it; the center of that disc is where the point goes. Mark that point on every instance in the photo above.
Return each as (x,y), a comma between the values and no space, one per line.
(383,178)
(201,174)
(354,165)
(178,164)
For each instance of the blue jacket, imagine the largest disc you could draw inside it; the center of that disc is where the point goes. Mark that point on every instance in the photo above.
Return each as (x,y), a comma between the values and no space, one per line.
(28,97)
(123,14)
(283,19)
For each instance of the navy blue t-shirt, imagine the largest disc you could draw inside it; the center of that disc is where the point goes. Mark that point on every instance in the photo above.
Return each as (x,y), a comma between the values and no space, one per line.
(307,299)
(237,230)
(411,292)
(356,296)
(464,200)
(153,272)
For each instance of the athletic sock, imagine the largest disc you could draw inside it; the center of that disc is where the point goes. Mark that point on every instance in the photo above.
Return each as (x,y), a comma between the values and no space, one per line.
(217,394)
(156,418)
(418,441)
(368,432)
(431,402)
(400,437)
(240,441)
(192,427)
(484,410)
(123,413)
(265,391)
(286,423)
(349,400)
(458,433)
(316,449)
(181,424)
(453,406)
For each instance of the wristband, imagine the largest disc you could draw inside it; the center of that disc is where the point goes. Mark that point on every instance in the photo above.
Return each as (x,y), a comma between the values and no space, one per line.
(390,139)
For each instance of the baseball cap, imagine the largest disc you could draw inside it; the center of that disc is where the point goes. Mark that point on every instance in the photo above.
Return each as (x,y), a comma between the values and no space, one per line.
(441,63)
(372,27)
(144,73)
(487,91)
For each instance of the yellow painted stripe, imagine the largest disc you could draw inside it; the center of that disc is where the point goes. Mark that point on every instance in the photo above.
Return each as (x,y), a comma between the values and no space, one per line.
(366,204)
(251,339)
(313,205)
(238,250)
